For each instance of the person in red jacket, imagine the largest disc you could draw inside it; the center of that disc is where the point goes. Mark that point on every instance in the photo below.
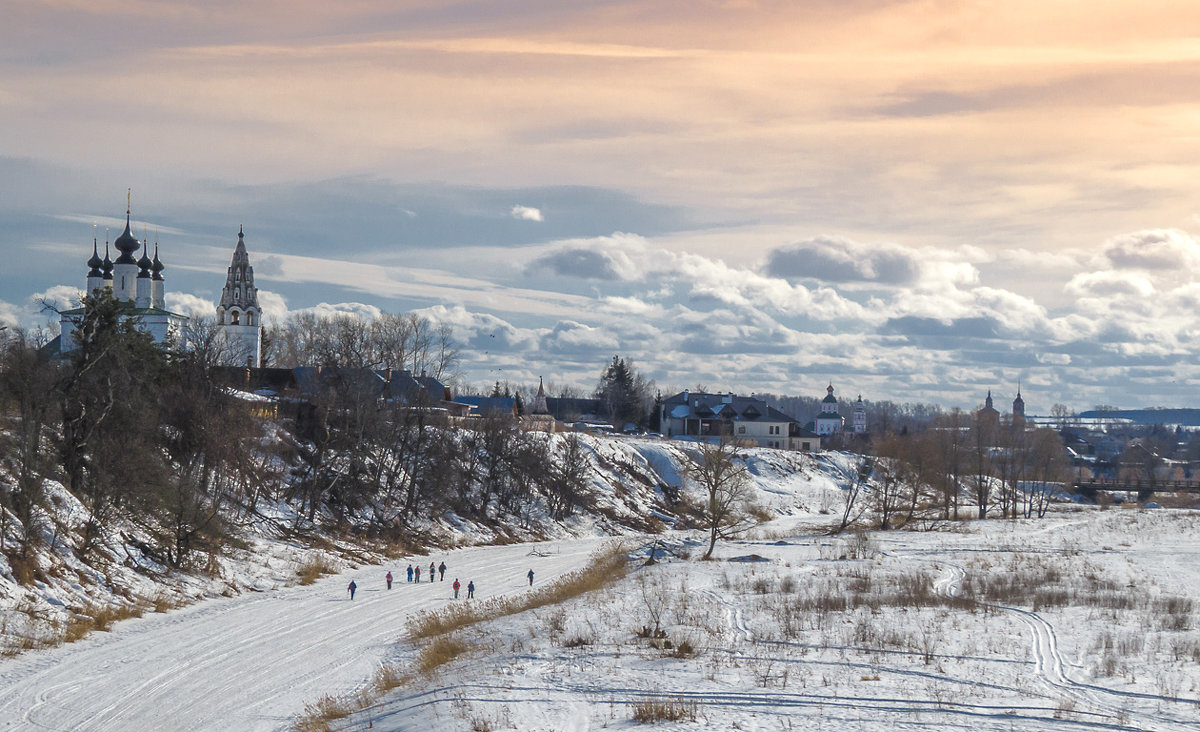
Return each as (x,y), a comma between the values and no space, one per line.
(456,586)
(389,580)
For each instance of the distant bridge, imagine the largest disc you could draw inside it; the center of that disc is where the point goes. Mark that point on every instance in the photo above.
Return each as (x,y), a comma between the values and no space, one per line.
(1143,488)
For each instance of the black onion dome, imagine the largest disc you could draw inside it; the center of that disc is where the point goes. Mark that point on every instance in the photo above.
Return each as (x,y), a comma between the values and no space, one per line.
(107,264)
(126,244)
(95,262)
(156,266)
(144,263)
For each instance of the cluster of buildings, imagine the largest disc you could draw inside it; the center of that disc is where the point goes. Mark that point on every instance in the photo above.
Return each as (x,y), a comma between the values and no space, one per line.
(699,415)
(137,284)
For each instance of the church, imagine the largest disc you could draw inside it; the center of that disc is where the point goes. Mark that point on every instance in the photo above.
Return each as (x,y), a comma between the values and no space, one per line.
(138,284)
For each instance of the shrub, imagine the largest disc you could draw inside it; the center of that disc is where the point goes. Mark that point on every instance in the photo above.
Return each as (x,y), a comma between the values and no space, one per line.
(658,709)
(313,570)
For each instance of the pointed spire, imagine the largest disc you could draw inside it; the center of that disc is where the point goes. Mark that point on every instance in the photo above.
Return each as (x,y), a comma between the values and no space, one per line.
(156,266)
(107,265)
(95,262)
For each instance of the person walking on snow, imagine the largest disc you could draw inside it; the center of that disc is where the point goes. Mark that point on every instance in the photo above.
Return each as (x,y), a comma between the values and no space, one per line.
(352,588)
(530,578)
(432,571)
(418,576)
(442,569)
(456,586)
(389,579)
(471,590)
(410,573)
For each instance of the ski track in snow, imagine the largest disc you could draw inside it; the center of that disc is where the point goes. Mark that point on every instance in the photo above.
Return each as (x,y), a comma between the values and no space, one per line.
(251,662)
(1050,667)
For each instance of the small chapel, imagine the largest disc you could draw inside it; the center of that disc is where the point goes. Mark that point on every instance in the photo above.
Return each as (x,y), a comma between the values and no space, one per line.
(138,285)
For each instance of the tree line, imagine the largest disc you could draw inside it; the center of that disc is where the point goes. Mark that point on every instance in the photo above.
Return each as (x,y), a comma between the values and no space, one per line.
(153,442)
(960,465)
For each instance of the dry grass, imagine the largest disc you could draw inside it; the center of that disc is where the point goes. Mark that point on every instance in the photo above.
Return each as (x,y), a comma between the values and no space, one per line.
(441,651)
(319,714)
(314,569)
(649,711)
(97,618)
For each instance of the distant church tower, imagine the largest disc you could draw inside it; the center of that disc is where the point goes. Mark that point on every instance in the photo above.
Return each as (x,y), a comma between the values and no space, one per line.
(238,316)
(1018,414)
(539,401)
(860,417)
(829,421)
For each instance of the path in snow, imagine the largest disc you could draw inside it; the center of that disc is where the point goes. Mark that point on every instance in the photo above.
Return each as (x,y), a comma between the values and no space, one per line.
(1051,668)
(252,662)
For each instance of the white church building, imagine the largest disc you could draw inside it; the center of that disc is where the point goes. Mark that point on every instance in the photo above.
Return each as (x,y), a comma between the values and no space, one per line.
(138,285)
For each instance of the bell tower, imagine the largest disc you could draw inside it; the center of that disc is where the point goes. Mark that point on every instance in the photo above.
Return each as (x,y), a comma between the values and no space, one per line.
(239,318)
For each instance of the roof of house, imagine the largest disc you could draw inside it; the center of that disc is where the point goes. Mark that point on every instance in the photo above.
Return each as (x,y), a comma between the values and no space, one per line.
(490,405)
(732,407)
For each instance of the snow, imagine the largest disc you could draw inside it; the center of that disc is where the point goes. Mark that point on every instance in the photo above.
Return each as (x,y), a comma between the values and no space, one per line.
(768,655)
(252,662)
(993,667)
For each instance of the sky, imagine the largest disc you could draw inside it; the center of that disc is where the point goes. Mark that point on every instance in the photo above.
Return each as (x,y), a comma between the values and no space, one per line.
(913,201)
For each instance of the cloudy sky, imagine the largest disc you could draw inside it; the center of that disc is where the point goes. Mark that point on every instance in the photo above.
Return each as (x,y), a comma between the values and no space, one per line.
(917,201)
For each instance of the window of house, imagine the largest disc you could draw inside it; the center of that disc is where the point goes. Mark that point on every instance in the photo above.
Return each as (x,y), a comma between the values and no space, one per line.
(741,429)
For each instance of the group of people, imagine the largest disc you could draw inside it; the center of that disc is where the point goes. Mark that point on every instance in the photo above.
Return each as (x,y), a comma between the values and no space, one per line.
(414,575)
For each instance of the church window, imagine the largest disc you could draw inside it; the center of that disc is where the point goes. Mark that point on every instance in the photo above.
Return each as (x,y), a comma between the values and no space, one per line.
(237,296)
(249,318)
(233,318)
(221,318)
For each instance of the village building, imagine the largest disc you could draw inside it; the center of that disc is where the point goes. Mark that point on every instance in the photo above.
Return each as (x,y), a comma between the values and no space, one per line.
(136,284)
(709,417)
(829,421)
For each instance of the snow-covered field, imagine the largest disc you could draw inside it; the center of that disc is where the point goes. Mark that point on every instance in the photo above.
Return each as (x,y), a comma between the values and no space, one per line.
(1112,643)
(1084,619)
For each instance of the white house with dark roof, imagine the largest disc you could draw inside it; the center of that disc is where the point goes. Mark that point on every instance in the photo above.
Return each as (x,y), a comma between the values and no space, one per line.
(704,416)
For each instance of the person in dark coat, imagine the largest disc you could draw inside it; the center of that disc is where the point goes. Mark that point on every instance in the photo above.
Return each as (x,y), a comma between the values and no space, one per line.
(432,571)
(471,590)
(456,586)
(352,587)
(410,573)
(530,578)
(442,570)
(389,579)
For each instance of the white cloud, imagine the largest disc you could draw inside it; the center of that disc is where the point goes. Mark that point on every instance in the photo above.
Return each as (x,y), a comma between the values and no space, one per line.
(359,310)
(526,213)
(1168,250)
(189,305)
(59,297)
(9,315)
(274,306)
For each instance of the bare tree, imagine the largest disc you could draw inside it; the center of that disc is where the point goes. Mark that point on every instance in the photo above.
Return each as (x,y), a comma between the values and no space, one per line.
(719,470)
(27,410)
(851,510)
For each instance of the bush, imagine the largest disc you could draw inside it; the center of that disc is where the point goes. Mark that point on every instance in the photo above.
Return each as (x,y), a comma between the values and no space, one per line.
(657,709)
(313,570)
